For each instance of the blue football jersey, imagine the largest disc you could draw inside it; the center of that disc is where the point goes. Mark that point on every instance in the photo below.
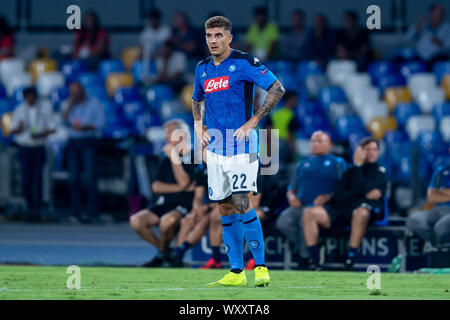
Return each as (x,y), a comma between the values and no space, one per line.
(228,90)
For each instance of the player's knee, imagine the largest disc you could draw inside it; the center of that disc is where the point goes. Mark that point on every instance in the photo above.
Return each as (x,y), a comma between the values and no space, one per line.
(136,221)
(361,215)
(308,215)
(167,222)
(442,232)
(413,222)
(188,220)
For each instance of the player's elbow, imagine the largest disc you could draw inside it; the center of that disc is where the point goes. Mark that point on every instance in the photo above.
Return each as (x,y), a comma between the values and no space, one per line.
(433,195)
(184,183)
(156,187)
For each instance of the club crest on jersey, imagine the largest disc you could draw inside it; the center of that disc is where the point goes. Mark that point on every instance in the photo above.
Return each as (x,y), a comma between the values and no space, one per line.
(217,84)
(232,68)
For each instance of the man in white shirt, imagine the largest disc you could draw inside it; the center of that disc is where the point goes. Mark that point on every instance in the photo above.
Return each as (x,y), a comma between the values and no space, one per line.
(31,124)
(154,35)
(432,40)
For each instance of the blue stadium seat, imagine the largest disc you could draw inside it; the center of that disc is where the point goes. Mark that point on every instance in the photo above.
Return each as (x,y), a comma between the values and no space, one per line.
(313,123)
(131,110)
(331,95)
(108,66)
(142,123)
(309,108)
(303,94)
(5,106)
(355,138)
(123,95)
(412,67)
(17,97)
(348,124)
(431,143)
(289,80)
(156,95)
(137,69)
(58,95)
(90,79)
(390,80)
(440,69)
(403,170)
(379,69)
(385,221)
(441,110)
(305,68)
(2,92)
(404,111)
(404,54)
(72,69)
(277,66)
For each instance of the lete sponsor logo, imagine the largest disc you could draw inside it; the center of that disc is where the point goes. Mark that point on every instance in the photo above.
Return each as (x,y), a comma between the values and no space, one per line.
(217,84)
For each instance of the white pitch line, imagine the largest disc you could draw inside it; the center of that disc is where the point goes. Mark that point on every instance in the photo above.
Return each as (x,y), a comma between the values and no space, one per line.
(151,289)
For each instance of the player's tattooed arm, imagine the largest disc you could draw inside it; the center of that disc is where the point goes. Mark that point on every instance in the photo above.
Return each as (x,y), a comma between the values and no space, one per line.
(201,131)
(274,94)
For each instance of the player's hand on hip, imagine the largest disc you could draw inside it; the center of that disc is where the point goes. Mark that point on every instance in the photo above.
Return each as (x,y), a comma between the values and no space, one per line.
(245,130)
(202,134)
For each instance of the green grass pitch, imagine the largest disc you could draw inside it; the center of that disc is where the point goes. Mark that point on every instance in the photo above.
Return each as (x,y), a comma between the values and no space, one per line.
(37,282)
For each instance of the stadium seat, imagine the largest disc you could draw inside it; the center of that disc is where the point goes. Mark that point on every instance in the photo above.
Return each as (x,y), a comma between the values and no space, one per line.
(355,138)
(315,83)
(337,110)
(419,82)
(110,66)
(5,106)
(3,94)
(137,70)
(389,81)
(309,108)
(373,110)
(430,97)
(40,66)
(363,96)
(413,67)
(440,69)
(58,95)
(395,137)
(379,69)
(441,110)
(123,95)
(289,80)
(347,125)
(446,86)
(116,80)
(444,128)
(9,67)
(380,125)
(72,69)
(170,108)
(49,80)
(17,96)
(356,82)
(305,68)
(339,70)
(313,123)
(16,81)
(90,79)
(277,66)
(431,142)
(156,95)
(129,55)
(404,111)
(331,94)
(396,95)
(417,124)
(404,54)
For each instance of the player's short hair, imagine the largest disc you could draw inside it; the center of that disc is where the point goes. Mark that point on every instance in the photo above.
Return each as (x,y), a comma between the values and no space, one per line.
(365,141)
(29,90)
(218,22)
(179,123)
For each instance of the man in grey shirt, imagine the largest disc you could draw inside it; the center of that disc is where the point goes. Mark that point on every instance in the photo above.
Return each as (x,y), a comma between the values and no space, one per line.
(293,43)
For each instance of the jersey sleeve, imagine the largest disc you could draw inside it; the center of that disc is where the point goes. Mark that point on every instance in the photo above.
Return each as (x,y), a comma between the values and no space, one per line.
(257,73)
(198,94)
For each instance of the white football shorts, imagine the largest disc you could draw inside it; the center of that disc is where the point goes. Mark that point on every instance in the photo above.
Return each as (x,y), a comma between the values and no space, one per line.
(231,174)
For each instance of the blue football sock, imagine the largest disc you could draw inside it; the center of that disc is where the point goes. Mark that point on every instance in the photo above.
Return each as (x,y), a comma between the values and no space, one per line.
(233,238)
(181,250)
(254,235)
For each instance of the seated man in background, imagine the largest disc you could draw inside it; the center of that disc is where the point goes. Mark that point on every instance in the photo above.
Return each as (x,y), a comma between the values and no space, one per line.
(434,225)
(194,225)
(312,184)
(173,191)
(357,201)
(84,116)
(32,122)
